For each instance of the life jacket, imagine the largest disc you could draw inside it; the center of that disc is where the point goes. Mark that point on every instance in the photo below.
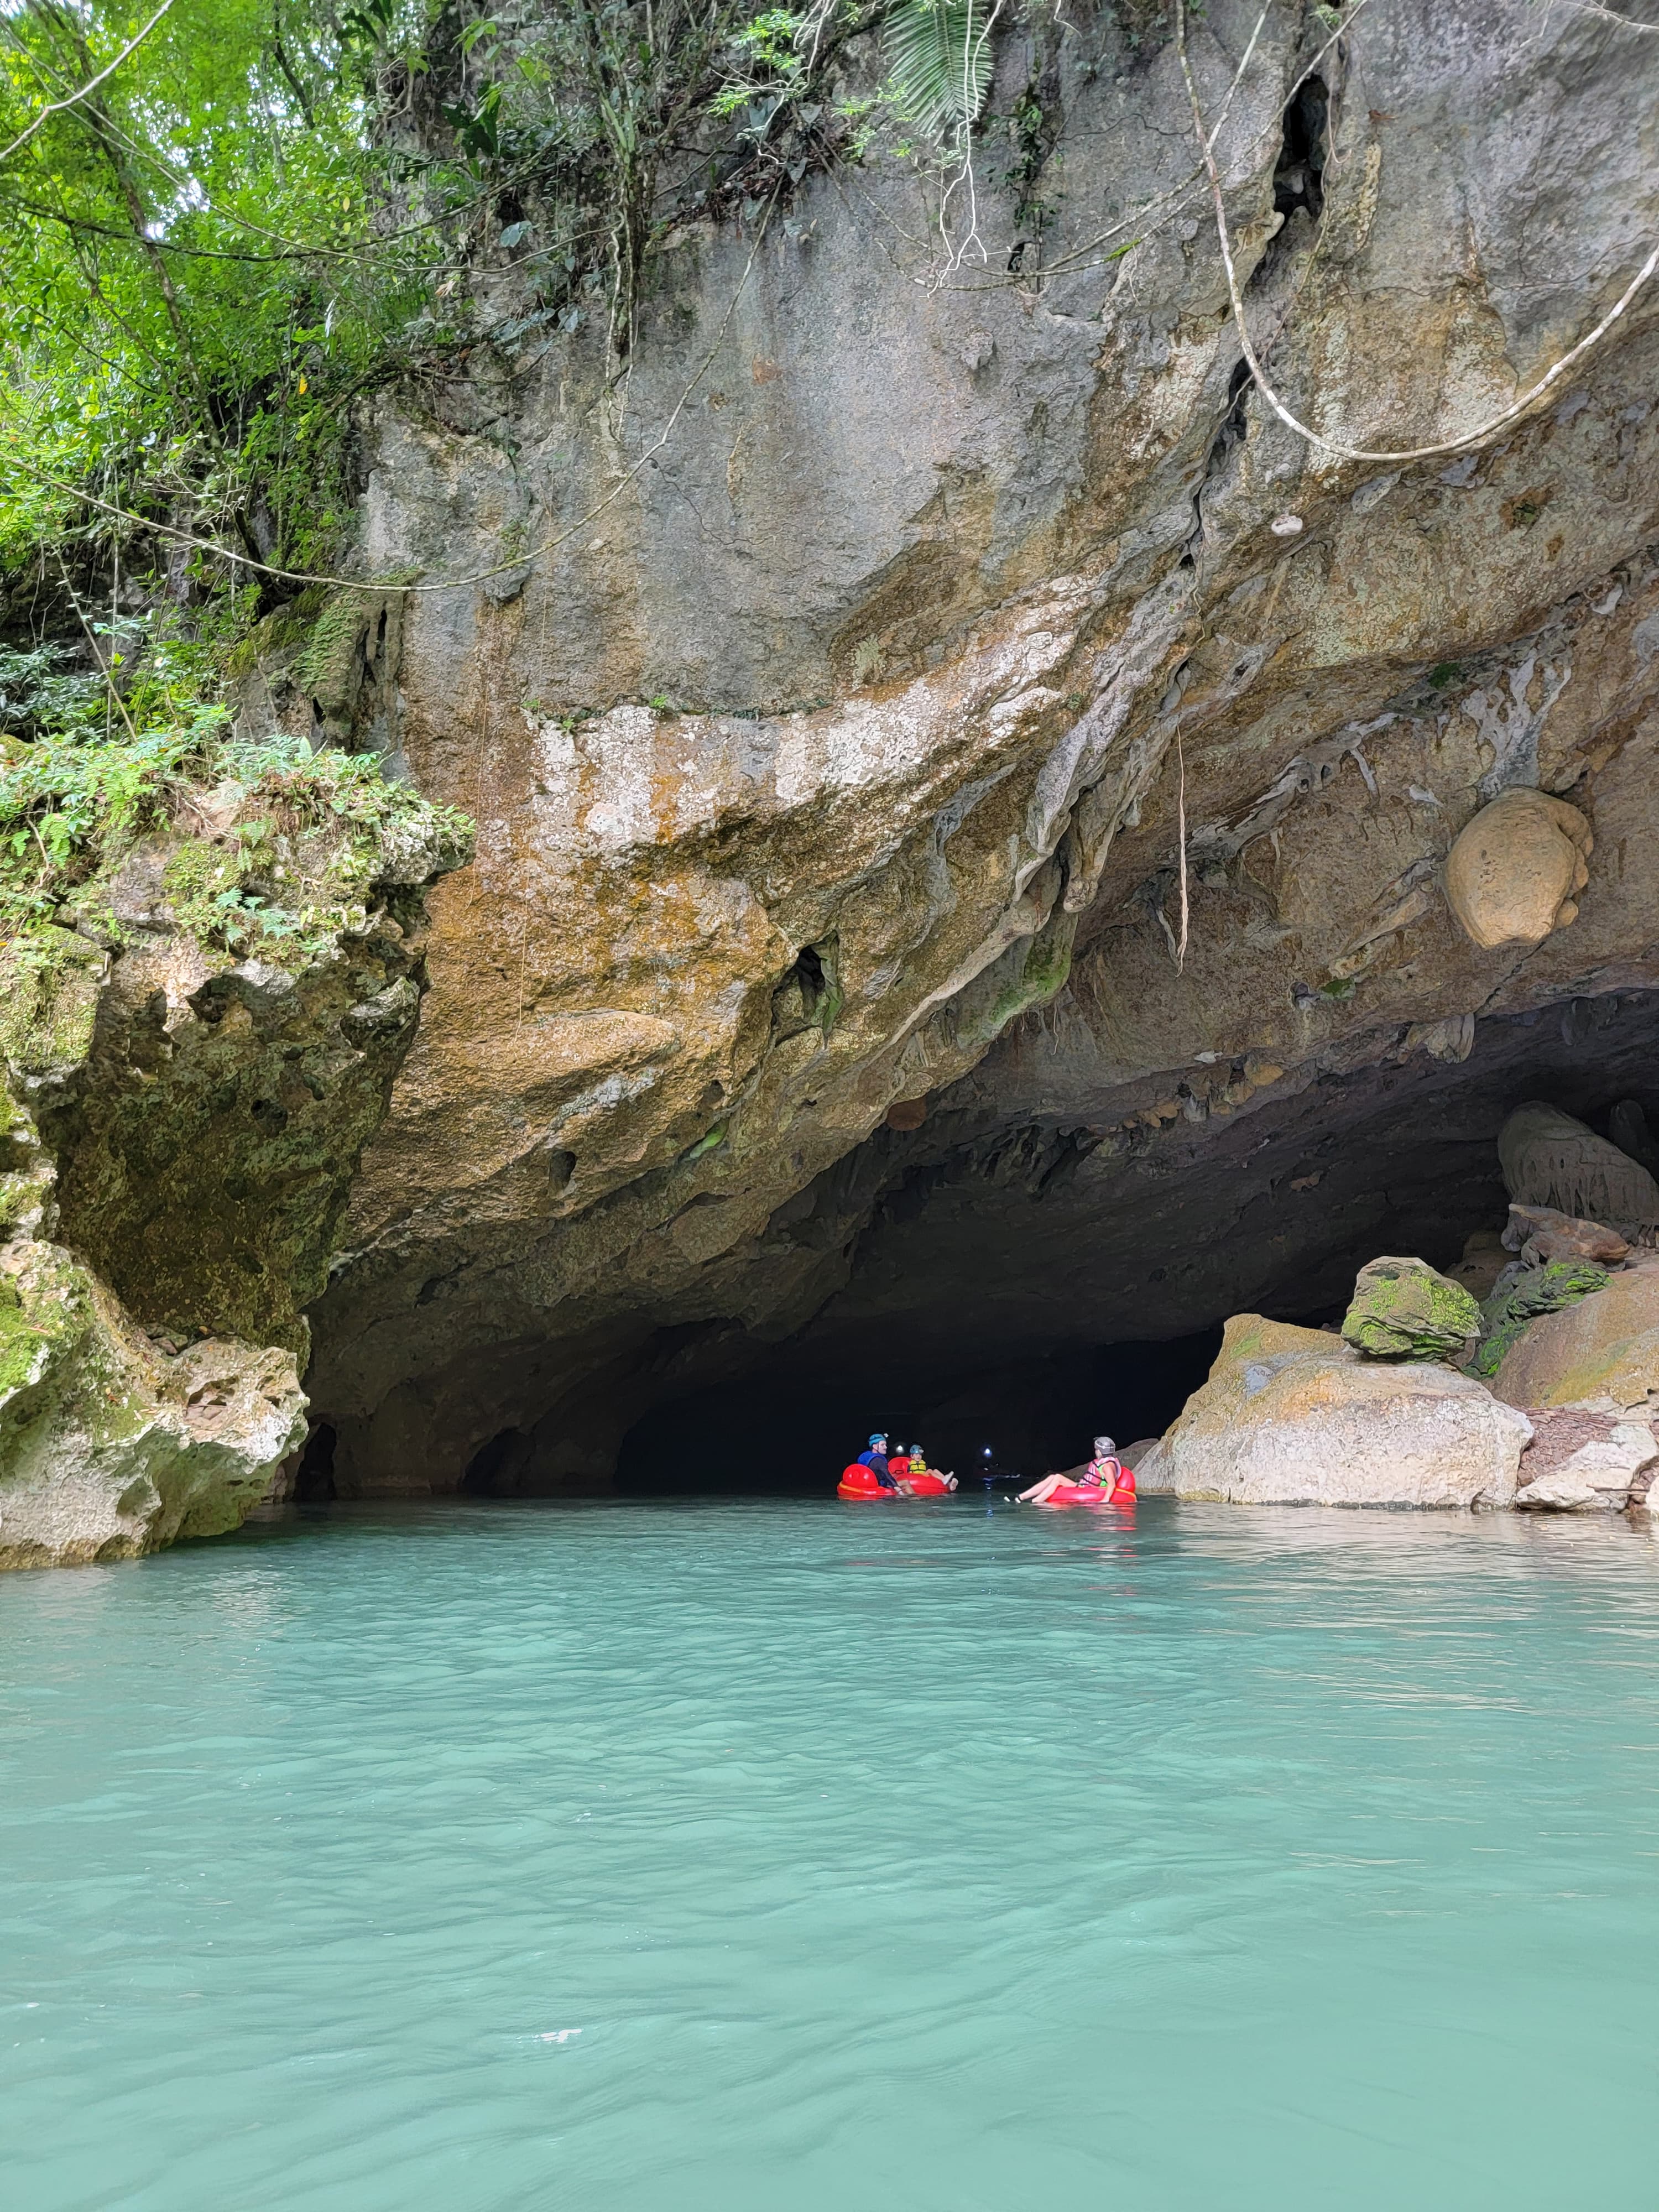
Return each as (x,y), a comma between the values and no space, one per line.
(1105,1473)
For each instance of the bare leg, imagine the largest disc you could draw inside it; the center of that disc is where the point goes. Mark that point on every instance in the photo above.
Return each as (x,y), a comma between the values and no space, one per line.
(1040,1492)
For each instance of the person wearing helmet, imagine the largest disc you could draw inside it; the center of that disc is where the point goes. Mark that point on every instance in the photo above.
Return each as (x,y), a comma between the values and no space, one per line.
(1103,1472)
(918,1466)
(875,1458)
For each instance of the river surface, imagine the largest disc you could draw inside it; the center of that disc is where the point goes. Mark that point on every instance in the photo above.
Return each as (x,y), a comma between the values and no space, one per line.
(786,1856)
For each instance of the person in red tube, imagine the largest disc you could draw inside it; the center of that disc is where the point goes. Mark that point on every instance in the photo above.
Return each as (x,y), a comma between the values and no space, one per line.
(1105,1473)
(917,1464)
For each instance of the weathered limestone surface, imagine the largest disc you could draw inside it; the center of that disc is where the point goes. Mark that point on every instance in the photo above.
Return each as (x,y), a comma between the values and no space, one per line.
(179,1141)
(1552,1159)
(1294,1417)
(1597,1476)
(1603,1352)
(108,1446)
(1514,873)
(831,765)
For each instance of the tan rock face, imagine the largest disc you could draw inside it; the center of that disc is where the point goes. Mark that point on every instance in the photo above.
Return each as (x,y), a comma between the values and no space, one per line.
(834,767)
(1293,1417)
(1516,871)
(1603,1352)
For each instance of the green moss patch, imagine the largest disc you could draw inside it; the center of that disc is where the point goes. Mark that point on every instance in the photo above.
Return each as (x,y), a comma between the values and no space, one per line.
(1540,1290)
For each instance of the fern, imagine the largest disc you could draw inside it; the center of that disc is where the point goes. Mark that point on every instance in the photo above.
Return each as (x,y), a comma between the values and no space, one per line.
(939,53)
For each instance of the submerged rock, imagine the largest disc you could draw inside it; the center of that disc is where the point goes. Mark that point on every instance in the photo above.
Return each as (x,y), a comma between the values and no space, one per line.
(1406,1310)
(1602,1352)
(1291,1416)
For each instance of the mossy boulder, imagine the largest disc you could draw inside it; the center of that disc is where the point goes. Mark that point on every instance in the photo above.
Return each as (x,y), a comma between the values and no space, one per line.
(1506,1314)
(1600,1350)
(109,1445)
(1403,1309)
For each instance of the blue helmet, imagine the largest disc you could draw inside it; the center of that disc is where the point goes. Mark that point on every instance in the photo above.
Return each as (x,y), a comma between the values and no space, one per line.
(877,1439)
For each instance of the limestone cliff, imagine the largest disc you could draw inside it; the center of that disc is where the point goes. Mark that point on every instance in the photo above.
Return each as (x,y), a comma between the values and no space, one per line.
(964,790)
(182,1130)
(830,761)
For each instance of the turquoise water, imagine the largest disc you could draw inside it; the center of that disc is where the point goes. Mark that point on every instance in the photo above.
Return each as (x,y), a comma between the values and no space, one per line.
(722,1856)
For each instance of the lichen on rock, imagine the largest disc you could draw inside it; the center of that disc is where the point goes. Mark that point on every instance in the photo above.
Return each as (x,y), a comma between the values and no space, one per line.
(1510,1310)
(1600,1352)
(1403,1309)
(192,1077)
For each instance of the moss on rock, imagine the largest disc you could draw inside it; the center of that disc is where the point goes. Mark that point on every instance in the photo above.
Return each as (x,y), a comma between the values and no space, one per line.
(1549,1289)
(1403,1309)
(109,1447)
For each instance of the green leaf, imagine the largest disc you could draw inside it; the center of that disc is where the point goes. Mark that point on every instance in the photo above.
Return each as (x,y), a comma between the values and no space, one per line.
(938,53)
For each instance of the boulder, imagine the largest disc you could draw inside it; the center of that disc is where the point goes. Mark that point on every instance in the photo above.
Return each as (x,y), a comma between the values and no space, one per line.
(1520,1295)
(1483,1262)
(1581,1461)
(1602,1352)
(1515,871)
(110,1447)
(1292,1417)
(1561,1493)
(1406,1310)
(1540,1232)
(1549,1158)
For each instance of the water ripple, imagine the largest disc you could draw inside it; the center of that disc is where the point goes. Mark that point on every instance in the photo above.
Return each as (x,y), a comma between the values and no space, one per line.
(748,1855)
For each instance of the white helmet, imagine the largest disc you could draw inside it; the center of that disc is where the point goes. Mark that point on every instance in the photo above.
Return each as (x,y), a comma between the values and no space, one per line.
(1104,1445)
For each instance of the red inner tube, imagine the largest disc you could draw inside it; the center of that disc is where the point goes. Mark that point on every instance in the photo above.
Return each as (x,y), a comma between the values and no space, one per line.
(1122,1492)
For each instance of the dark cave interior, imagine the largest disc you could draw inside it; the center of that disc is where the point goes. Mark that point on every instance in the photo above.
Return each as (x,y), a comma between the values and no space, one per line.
(995,1305)
(1029,1266)
(789,1428)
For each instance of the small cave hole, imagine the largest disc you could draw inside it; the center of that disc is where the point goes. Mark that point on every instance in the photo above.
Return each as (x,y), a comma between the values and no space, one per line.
(1299,179)
(314,1479)
(810,994)
(490,1470)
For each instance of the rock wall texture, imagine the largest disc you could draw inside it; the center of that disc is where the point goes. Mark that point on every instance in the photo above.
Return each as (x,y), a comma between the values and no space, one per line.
(180,1135)
(1295,1417)
(820,953)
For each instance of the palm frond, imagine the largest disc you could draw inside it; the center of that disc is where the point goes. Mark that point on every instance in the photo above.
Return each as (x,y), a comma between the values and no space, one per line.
(938,54)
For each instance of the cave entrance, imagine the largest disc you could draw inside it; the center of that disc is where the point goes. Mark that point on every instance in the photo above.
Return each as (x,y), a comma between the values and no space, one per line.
(990,1300)
(789,1425)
